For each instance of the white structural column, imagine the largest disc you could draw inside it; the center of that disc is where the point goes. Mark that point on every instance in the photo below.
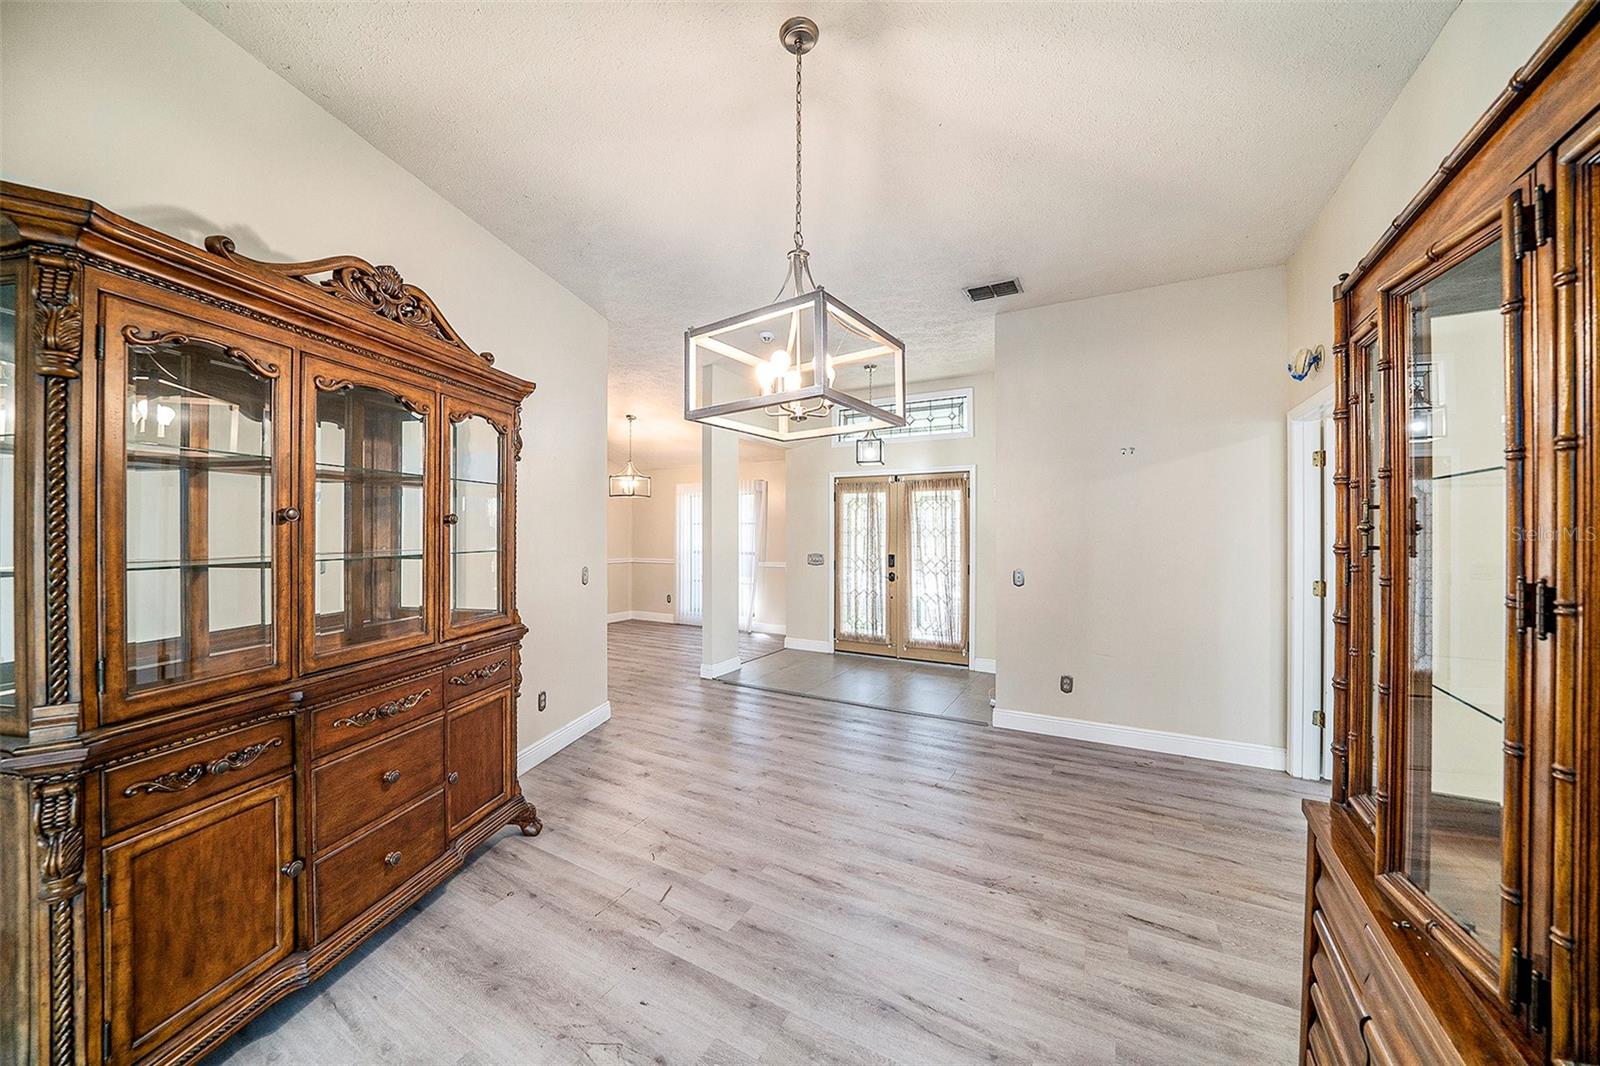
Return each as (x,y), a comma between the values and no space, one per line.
(719,574)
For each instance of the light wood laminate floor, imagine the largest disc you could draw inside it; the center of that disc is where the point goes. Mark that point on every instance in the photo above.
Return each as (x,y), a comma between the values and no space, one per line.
(734,876)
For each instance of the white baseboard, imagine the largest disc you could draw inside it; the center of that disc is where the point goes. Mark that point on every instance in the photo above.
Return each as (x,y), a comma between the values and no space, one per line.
(982,666)
(552,742)
(639,616)
(726,666)
(802,644)
(769,627)
(1124,736)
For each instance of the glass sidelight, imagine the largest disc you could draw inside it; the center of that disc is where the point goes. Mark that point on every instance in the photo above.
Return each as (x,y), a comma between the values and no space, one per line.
(902,566)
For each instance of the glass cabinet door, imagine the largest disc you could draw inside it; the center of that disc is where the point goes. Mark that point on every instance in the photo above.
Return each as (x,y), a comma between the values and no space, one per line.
(194,440)
(1453,535)
(370,466)
(1369,484)
(477,536)
(8,500)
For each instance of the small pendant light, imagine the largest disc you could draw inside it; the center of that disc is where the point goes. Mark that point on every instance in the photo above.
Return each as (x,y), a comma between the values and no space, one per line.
(630,483)
(869,446)
(783,371)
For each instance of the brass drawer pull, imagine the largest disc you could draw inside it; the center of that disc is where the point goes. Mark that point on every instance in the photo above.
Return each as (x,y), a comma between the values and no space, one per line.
(482,672)
(392,859)
(382,710)
(194,773)
(453,778)
(292,868)
(391,777)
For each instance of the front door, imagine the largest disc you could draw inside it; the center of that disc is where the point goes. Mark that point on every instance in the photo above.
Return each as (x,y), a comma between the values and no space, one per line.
(902,566)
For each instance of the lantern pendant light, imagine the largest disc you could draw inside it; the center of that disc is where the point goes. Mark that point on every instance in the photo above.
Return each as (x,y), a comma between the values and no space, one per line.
(781,371)
(630,483)
(869,446)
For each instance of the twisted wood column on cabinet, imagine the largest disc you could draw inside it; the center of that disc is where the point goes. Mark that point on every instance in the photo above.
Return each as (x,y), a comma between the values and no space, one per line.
(58,343)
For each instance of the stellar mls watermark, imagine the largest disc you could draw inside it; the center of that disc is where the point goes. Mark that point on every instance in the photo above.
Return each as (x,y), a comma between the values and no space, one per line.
(1536,534)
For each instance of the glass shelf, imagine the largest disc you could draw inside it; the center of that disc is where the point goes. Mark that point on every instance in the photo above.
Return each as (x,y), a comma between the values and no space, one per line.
(366,473)
(140,565)
(475,551)
(361,557)
(474,481)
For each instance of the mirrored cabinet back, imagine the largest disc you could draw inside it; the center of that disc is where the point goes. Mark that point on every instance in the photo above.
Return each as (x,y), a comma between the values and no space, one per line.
(258,636)
(1453,883)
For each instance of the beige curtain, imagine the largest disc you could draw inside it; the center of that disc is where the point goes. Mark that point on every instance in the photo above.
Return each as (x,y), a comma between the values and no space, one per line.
(861,557)
(936,606)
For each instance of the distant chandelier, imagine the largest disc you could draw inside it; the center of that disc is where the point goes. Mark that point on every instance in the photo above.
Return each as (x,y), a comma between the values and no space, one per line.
(869,446)
(630,482)
(781,371)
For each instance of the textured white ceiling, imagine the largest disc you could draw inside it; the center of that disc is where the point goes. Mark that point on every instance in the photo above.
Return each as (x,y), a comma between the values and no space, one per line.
(642,154)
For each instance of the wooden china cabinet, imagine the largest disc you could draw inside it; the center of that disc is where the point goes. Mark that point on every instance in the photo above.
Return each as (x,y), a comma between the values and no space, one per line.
(1453,882)
(258,643)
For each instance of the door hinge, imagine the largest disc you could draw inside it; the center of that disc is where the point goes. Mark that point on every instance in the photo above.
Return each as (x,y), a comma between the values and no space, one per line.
(105,890)
(105,1041)
(1319,457)
(1530,990)
(1536,608)
(1532,223)
(99,675)
(1319,588)
(1319,719)
(100,340)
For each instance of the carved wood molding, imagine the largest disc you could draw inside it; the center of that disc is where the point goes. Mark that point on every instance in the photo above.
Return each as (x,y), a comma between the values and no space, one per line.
(56,819)
(58,347)
(133,335)
(488,670)
(325,383)
(383,710)
(462,416)
(194,773)
(231,727)
(380,289)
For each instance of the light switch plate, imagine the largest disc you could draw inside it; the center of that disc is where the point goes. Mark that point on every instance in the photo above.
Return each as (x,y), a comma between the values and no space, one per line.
(1017,578)
(814,559)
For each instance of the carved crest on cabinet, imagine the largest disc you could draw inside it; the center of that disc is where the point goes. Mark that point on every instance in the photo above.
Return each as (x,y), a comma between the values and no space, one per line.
(380,289)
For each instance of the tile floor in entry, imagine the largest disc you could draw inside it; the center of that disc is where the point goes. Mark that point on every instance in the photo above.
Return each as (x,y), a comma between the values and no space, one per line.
(931,689)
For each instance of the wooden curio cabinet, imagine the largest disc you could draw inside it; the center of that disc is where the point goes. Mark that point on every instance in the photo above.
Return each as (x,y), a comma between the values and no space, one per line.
(259,648)
(1453,903)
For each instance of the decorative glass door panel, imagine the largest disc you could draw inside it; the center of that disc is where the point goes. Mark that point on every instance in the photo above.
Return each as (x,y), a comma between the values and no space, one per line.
(477,537)
(861,576)
(370,458)
(1453,532)
(194,440)
(901,566)
(934,509)
(1369,484)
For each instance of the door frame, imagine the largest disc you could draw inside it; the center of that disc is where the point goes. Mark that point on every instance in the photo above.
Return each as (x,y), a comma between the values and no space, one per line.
(971,471)
(1309,615)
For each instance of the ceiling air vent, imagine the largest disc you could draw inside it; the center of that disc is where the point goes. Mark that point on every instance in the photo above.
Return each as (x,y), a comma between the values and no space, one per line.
(994,291)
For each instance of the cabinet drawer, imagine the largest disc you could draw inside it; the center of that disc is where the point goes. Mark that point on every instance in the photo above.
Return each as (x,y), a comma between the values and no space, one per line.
(163,782)
(480,672)
(359,788)
(357,718)
(376,863)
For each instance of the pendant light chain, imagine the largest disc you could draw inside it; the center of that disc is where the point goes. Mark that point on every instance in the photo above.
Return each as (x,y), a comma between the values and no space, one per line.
(799,238)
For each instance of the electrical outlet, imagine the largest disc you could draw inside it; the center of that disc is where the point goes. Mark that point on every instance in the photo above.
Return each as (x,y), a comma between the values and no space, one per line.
(1066,686)
(541,699)
(669,597)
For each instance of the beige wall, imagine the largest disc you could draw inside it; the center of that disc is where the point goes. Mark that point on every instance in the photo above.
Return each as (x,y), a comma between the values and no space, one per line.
(652,535)
(1469,64)
(811,470)
(175,126)
(1154,578)
(619,552)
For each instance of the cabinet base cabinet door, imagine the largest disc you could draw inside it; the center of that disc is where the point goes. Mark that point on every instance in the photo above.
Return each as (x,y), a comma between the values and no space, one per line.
(199,907)
(478,757)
